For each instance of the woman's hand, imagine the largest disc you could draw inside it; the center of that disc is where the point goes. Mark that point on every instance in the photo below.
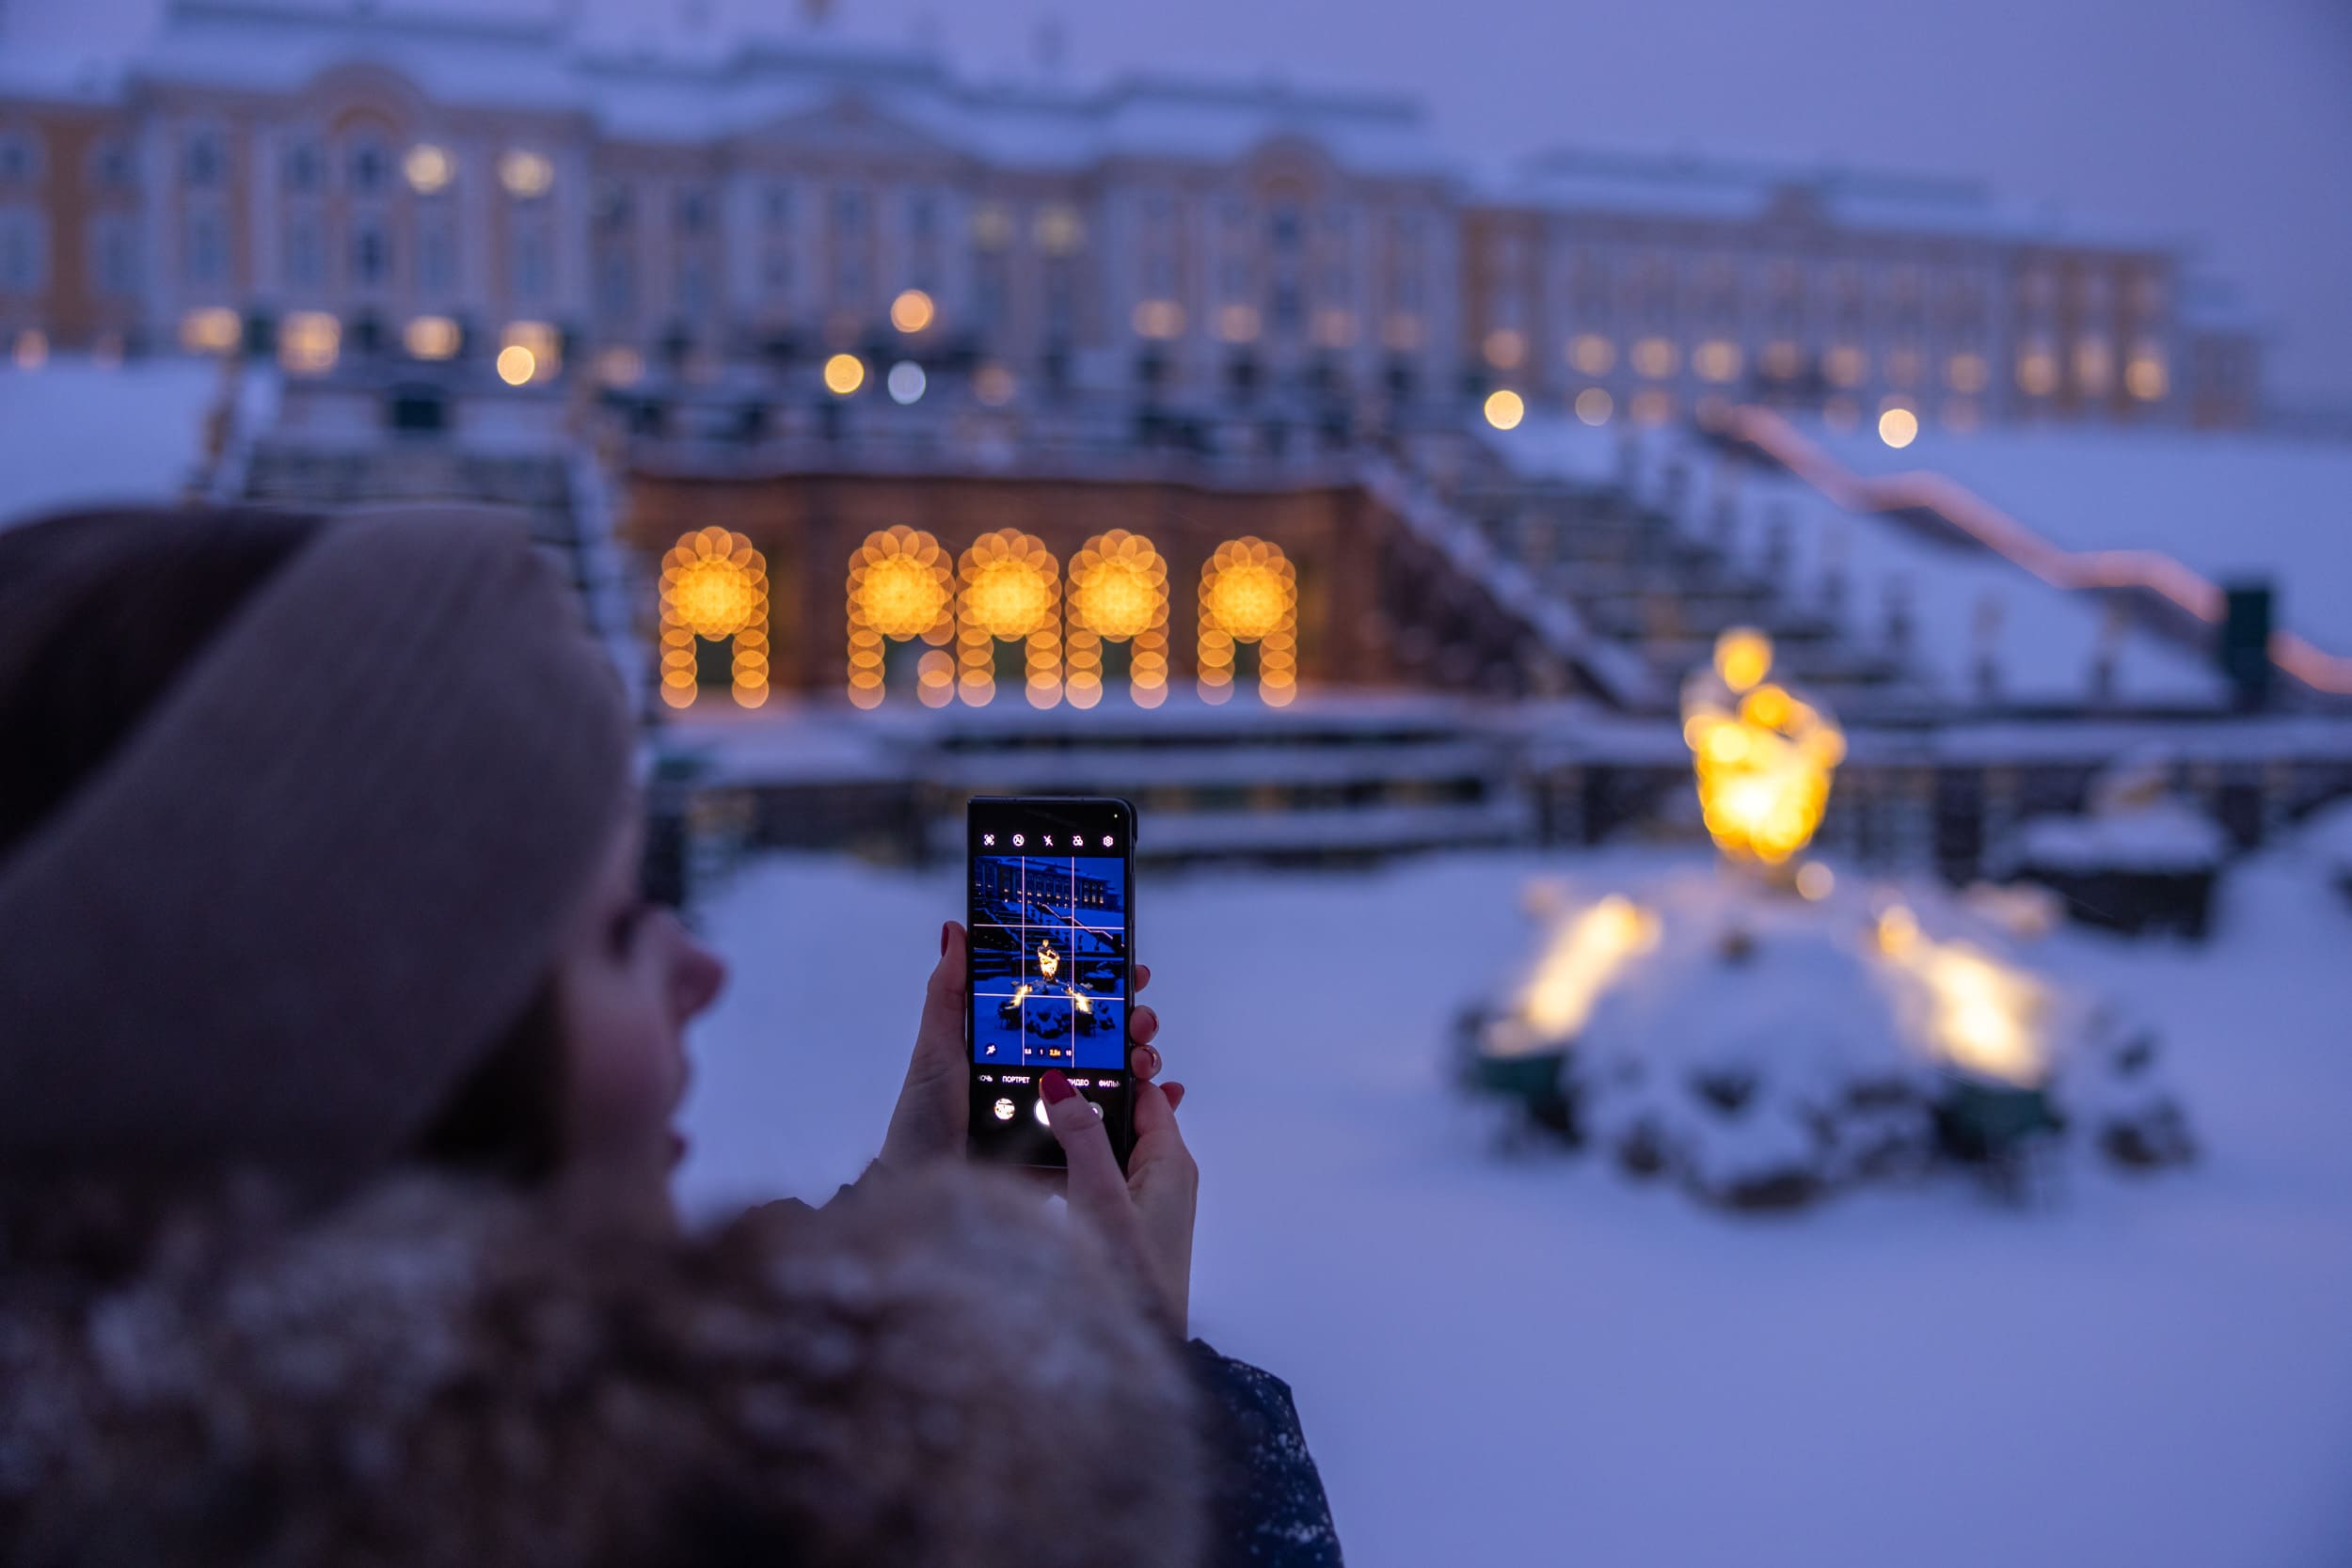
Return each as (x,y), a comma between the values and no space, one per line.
(934,1109)
(1147,1213)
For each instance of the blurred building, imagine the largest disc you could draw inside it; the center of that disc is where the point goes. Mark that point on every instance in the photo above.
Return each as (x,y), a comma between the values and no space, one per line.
(323,181)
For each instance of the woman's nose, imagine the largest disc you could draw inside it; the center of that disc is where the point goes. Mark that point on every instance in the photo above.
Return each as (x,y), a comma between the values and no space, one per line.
(699,974)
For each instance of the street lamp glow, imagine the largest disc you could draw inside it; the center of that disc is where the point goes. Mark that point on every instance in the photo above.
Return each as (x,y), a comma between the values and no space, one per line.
(843,374)
(911,311)
(1898,427)
(1505,408)
(516,364)
(906,382)
(428,169)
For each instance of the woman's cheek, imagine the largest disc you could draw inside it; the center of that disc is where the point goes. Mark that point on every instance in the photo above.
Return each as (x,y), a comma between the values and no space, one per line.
(628,1077)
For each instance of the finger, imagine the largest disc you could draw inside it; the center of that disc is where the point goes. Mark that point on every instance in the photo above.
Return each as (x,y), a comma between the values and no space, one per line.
(1144,1062)
(1143,976)
(1155,1112)
(941,1033)
(1098,1189)
(1143,1025)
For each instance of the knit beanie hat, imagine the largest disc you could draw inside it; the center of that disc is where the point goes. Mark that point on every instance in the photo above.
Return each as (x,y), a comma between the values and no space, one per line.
(293,908)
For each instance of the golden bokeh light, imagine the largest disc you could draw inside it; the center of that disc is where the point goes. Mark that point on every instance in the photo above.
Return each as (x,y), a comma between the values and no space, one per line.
(1118,592)
(1506,348)
(428,169)
(843,374)
(1009,590)
(1505,408)
(431,337)
(1249,593)
(1979,1014)
(1592,354)
(900,588)
(1585,953)
(714,588)
(214,330)
(308,342)
(1159,319)
(525,174)
(913,312)
(516,364)
(1594,406)
(1898,426)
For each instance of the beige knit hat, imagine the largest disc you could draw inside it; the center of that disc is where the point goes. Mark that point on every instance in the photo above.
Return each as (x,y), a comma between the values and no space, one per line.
(284,918)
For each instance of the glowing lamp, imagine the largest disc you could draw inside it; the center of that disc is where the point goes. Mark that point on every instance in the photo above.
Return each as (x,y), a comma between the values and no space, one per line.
(911,311)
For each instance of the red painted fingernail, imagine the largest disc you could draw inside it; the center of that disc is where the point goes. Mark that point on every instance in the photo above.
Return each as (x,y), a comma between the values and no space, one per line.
(1055,1087)
(944,926)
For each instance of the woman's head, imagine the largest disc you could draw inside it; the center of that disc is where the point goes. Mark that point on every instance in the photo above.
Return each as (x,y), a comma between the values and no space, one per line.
(316,839)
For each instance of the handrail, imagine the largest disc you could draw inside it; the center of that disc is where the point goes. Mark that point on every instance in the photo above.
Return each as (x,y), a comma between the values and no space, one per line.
(1919,489)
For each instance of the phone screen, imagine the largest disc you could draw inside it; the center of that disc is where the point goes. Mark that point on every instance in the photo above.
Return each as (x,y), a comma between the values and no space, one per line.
(1052,918)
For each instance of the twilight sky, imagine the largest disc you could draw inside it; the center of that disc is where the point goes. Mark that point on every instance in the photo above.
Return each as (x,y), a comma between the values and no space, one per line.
(2227,125)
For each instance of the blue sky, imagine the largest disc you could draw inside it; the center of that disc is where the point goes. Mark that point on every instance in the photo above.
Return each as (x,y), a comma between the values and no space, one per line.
(2227,125)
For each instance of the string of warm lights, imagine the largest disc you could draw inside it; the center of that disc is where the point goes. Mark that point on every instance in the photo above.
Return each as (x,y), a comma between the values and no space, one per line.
(714,587)
(1010,591)
(1249,593)
(1118,592)
(900,588)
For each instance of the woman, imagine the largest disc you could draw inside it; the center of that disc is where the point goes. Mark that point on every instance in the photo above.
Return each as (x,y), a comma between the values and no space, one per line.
(338,1056)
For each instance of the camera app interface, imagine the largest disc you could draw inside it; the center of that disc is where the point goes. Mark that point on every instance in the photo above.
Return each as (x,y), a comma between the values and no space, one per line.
(1048,950)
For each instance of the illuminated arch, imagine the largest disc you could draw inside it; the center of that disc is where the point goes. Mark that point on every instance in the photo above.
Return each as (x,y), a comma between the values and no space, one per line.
(1249,593)
(1118,594)
(1009,589)
(714,586)
(900,589)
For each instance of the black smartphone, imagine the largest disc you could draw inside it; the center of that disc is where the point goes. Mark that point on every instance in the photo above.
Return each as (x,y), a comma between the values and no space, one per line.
(1051,912)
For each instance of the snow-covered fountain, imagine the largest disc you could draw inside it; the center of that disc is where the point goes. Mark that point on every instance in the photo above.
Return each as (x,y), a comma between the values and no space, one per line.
(1763,1031)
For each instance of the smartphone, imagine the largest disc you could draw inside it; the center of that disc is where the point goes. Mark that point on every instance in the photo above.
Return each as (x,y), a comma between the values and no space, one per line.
(1051,909)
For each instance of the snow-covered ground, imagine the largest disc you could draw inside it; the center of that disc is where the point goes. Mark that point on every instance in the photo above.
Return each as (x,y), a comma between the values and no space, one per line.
(76,433)
(2225,505)
(1508,1360)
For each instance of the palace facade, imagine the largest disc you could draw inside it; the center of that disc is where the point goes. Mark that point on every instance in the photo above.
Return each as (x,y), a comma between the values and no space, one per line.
(321,182)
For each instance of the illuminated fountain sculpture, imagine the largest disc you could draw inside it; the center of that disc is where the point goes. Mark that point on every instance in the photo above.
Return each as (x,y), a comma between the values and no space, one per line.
(1763,1031)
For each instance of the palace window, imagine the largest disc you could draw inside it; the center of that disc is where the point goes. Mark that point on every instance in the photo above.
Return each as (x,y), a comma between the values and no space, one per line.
(207,260)
(115,166)
(370,167)
(437,259)
(204,162)
(115,249)
(371,256)
(302,168)
(20,158)
(24,249)
(306,264)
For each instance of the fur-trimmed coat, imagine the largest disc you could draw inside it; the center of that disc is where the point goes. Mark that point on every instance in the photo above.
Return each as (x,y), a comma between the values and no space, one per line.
(440,1374)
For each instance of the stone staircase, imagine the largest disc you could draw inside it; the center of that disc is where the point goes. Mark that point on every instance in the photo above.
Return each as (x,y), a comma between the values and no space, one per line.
(1639,579)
